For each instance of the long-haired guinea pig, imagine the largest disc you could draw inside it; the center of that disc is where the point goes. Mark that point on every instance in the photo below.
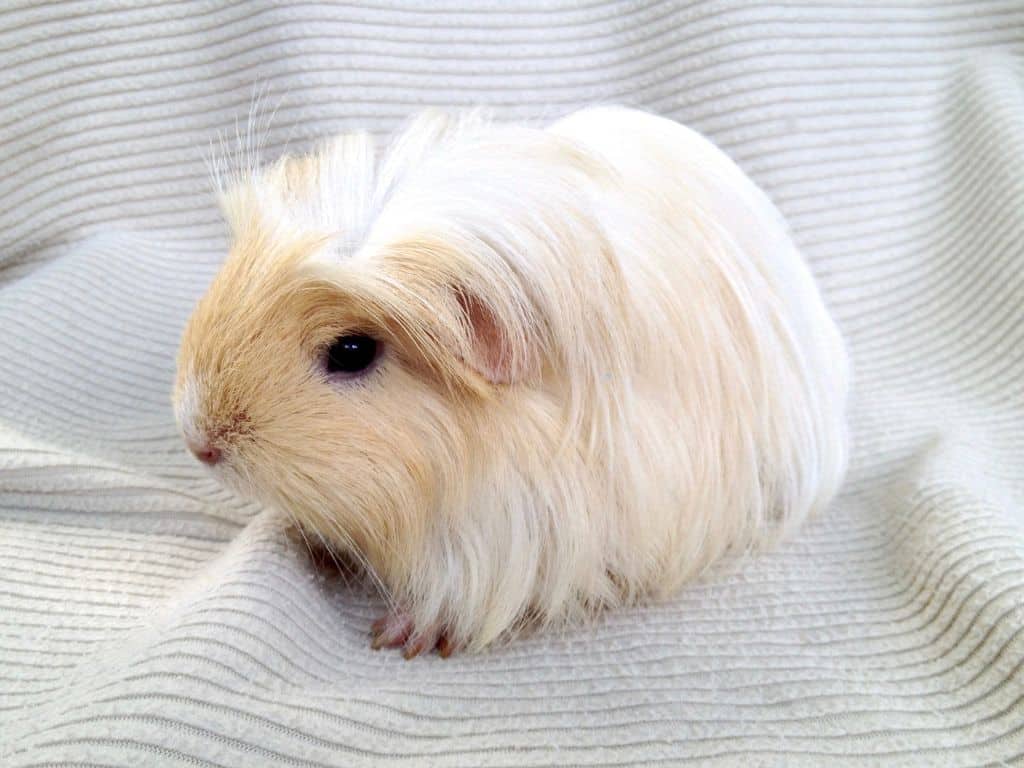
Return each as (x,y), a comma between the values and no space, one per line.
(520,373)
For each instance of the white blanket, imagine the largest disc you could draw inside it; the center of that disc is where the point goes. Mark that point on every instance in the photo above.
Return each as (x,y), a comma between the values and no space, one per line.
(148,618)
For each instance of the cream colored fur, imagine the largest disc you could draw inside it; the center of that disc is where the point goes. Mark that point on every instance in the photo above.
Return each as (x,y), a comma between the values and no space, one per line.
(605,363)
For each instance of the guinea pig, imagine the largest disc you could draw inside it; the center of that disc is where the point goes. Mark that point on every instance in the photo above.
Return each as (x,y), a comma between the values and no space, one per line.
(520,373)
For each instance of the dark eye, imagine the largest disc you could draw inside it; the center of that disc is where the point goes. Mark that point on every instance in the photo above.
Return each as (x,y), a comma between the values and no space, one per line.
(351,354)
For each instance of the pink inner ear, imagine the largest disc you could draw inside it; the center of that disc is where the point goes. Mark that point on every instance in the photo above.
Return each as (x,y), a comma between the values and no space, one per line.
(492,358)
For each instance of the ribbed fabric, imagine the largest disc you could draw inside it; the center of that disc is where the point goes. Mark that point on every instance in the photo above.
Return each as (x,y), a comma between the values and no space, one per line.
(149,618)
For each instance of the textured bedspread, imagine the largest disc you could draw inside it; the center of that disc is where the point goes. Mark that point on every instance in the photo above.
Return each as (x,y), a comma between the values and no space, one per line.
(149,618)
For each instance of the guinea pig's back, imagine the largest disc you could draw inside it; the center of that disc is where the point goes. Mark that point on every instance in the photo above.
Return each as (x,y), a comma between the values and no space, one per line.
(685,169)
(663,161)
(715,211)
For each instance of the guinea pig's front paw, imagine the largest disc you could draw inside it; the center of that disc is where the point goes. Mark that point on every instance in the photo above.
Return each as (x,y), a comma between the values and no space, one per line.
(398,629)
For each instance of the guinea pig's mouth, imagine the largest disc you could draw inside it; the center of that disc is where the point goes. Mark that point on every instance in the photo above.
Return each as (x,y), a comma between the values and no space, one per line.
(222,463)
(231,475)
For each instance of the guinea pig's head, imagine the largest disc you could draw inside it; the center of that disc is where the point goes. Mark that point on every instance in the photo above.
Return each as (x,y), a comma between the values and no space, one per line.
(342,365)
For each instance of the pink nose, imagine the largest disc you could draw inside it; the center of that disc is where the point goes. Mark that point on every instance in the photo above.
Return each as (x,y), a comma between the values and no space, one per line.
(205,452)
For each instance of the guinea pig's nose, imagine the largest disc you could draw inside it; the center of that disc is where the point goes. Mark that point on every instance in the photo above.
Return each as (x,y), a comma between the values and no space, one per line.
(205,452)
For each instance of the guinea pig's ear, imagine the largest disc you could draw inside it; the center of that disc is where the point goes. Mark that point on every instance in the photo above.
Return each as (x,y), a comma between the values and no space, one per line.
(496,351)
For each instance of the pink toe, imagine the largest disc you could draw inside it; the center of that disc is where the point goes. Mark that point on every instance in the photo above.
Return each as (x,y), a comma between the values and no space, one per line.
(391,631)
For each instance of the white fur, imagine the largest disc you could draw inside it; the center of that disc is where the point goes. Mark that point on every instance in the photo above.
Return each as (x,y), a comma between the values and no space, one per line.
(188,409)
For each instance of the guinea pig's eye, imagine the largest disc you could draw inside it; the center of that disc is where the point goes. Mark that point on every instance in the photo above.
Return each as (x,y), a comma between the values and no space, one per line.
(351,354)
